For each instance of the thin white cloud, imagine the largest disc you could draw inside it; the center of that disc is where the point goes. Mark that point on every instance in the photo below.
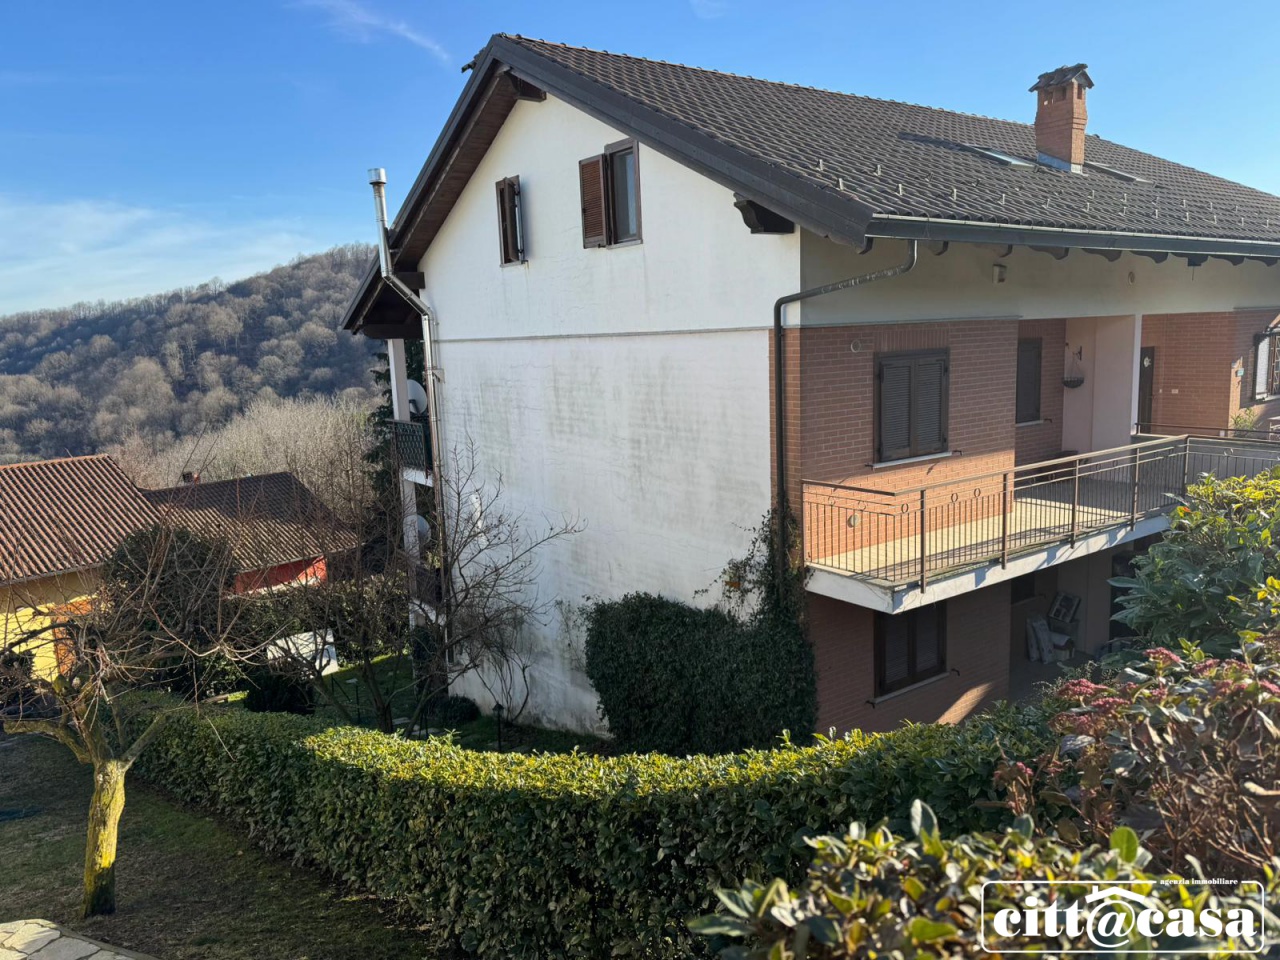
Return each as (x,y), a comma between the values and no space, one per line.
(57,254)
(709,9)
(358,22)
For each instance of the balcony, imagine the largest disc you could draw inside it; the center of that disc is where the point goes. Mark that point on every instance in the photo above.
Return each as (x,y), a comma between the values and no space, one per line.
(411,448)
(897,541)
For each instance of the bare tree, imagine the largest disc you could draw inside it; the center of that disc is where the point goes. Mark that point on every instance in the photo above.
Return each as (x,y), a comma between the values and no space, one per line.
(116,666)
(478,622)
(321,441)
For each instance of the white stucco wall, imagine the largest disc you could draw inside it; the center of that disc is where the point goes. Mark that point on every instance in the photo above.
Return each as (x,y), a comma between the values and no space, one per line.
(626,387)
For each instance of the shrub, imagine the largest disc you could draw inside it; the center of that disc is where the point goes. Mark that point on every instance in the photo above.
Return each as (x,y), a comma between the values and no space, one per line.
(874,894)
(1185,748)
(565,855)
(454,711)
(678,679)
(277,691)
(1199,582)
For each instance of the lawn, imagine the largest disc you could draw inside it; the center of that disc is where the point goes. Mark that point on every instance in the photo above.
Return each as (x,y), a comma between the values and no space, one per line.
(188,886)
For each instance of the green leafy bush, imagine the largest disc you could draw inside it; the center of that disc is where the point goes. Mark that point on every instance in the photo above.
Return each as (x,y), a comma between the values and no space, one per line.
(565,855)
(678,679)
(873,894)
(1200,581)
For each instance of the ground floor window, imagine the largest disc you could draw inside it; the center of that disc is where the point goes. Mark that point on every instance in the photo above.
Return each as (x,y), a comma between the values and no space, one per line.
(910,647)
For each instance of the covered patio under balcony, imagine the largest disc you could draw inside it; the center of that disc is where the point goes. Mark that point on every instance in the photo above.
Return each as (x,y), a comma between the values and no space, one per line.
(895,549)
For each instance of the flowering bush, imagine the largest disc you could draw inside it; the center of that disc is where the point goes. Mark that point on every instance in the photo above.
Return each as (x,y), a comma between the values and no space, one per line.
(1183,747)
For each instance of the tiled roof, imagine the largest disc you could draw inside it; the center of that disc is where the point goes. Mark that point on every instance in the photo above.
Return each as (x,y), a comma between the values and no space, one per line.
(842,166)
(59,516)
(268,520)
(904,160)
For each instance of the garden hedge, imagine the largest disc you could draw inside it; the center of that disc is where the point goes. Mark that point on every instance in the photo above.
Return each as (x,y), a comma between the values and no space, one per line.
(567,855)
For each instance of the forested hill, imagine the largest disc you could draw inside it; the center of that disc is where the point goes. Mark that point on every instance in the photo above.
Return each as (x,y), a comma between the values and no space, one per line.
(73,381)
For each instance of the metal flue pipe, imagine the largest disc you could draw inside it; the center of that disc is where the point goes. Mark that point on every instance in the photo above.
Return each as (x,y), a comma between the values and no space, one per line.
(431,378)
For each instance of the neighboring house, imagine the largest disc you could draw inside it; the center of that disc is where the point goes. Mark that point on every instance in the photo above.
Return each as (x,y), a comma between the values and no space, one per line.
(948,402)
(279,532)
(59,521)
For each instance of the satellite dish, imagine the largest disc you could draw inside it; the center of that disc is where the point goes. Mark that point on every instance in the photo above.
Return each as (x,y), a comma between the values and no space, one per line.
(417,398)
(424,528)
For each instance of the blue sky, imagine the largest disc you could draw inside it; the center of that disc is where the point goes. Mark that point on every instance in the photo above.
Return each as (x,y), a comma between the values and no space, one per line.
(148,145)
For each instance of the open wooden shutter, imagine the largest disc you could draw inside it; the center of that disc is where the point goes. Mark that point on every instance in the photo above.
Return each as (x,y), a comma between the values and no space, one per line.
(591,180)
(1262,378)
(893,405)
(929,396)
(1027,403)
(509,232)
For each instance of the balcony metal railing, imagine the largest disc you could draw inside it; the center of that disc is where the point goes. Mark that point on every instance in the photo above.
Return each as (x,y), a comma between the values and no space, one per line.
(1225,433)
(899,537)
(411,445)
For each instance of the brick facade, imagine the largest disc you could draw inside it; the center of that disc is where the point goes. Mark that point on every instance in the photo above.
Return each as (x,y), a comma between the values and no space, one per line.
(978,654)
(1197,356)
(830,424)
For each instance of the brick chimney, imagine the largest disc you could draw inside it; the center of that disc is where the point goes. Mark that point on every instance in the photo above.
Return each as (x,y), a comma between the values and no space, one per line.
(1061,116)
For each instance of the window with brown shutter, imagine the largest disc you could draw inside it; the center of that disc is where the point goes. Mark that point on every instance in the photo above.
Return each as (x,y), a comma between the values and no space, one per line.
(510,221)
(911,404)
(910,647)
(1266,370)
(591,182)
(610,191)
(1027,402)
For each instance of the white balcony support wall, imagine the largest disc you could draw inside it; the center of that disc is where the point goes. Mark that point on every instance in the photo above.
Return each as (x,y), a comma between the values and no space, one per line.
(1099,415)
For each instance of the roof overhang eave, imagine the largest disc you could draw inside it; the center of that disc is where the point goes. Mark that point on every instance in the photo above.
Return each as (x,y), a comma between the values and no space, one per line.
(977,231)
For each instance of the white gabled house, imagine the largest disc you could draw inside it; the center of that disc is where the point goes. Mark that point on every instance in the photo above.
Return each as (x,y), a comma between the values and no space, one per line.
(1001,347)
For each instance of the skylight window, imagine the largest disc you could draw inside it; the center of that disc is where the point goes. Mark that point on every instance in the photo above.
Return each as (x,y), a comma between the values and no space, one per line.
(1001,157)
(1127,177)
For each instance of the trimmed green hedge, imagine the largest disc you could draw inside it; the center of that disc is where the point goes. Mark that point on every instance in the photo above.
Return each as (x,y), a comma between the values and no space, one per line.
(566,855)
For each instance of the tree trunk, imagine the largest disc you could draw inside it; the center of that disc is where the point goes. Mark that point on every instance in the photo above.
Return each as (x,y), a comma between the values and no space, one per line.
(100,847)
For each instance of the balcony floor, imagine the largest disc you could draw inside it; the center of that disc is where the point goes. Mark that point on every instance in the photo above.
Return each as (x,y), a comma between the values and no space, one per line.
(1039,516)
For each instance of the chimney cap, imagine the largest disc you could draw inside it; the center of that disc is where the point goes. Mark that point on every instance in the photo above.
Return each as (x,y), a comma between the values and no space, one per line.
(1056,78)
